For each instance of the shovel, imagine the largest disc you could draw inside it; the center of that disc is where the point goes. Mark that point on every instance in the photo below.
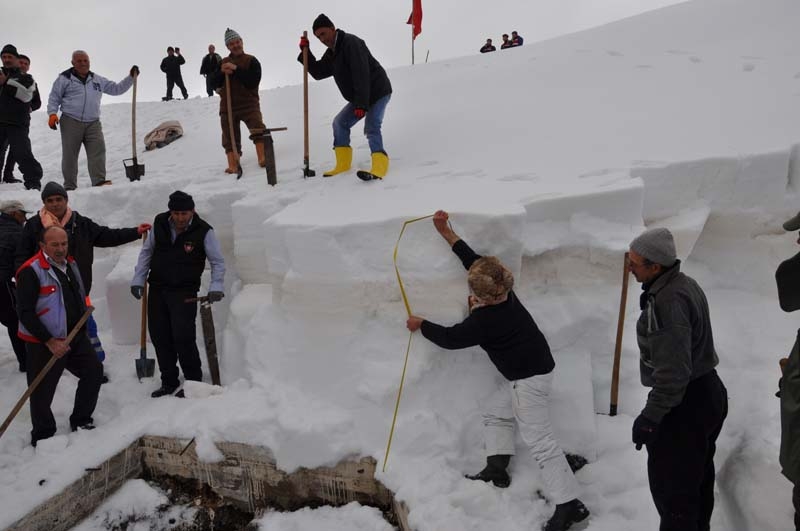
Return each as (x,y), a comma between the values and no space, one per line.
(133,170)
(307,172)
(145,368)
(209,336)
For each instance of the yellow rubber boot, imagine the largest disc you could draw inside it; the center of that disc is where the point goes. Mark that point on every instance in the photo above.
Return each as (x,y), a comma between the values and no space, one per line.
(380,164)
(344,158)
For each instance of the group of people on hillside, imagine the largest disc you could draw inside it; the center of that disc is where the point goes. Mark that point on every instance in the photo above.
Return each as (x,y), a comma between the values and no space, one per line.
(512,42)
(77,93)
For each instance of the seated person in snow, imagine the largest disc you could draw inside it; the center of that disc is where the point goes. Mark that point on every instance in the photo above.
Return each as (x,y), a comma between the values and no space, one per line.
(501,325)
(506,42)
(488,47)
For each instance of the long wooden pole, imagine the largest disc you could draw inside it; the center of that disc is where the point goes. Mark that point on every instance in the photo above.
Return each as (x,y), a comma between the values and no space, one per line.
(306,171)
(39,377)
(230,125)
(618,346)
(133,120)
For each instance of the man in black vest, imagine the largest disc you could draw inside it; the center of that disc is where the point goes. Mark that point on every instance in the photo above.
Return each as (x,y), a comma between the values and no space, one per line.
(175,254)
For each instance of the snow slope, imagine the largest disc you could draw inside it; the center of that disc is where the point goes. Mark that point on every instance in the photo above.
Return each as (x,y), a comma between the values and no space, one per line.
(551,156)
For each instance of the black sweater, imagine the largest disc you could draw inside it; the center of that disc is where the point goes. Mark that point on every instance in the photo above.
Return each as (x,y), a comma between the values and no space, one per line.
(506,331)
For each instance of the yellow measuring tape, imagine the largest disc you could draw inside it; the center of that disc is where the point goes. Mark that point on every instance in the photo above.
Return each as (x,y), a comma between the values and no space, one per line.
(410,335)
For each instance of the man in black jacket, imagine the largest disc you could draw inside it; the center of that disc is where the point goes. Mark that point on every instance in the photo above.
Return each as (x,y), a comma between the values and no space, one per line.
(84,236)
(363,83)
(172,261)
(12,217)
(171,65)
(17,90)
(209,66)
(502,326)
(36,103)
(488,47)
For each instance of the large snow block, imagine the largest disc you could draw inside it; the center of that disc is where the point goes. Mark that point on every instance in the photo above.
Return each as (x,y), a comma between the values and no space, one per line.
(572,405)
(125,312)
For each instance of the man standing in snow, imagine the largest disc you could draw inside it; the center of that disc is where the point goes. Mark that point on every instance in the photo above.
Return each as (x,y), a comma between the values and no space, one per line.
(363,83)
(50,302)
(501,325)
(17,90)
(85,235)
(209,66)
(688,403)
(12,218)
(245,76)
(171,65)
(77,92)
(174,255)
(787,277)
(35,104)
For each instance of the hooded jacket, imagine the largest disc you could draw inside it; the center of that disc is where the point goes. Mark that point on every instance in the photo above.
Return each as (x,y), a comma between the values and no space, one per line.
(360,77)
(80,98)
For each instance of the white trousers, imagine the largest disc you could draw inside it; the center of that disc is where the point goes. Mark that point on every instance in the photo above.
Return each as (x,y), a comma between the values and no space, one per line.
(526,402)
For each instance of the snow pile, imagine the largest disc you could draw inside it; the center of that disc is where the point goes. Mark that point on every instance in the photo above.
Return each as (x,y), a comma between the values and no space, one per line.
(551,156)
(351,517)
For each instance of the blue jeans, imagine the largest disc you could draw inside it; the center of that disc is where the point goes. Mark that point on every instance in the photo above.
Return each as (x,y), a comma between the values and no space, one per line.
(345,120)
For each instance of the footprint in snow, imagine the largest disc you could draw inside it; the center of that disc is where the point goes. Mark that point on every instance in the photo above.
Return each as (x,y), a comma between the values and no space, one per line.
(678,52)
(695,59)
(748,67)
(614,53)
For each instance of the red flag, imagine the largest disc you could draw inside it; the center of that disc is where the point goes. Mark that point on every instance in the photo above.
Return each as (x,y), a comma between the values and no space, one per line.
(415,18)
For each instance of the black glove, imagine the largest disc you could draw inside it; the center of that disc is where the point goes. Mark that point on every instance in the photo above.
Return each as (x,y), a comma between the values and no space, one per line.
(134,71)
(645,431)
(215,296)
(137,291)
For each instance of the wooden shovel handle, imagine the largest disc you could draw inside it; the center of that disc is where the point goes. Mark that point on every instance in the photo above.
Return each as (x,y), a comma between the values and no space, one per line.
(618,345)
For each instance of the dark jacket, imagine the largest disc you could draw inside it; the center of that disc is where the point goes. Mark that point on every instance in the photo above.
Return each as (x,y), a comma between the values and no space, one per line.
(16,96)
(788,280)
(360,77)
(675,340)
(506,331)
(84,236)
(244,84)
(178,265)
(10,234)
(488,48)
(171,65)
(210,64)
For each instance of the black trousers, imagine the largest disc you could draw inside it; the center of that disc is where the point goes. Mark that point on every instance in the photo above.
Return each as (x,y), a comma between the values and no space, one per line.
(680,463)
(80,361)
(20,146)
(796,503)
(8,318)
(209,86)
(8,168)
(171,322)
(176,80)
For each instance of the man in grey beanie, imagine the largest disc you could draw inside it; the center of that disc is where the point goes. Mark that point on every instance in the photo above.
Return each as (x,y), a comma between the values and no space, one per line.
(687,403)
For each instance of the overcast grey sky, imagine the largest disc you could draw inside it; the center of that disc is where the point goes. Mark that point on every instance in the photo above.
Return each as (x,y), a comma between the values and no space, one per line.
(118,34)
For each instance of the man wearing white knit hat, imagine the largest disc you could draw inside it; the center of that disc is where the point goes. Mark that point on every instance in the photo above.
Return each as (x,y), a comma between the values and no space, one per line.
(245,76)
(687,403)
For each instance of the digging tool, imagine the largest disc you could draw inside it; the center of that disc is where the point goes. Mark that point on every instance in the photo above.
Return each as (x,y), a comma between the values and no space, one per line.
(307,172)
(209,336)
(230,126)
(39,377)
(133,170)
(612,411)
(264,137)
(145,367)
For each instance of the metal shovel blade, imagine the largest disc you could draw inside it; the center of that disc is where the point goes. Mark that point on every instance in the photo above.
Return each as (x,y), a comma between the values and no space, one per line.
(145,367)
(133,170)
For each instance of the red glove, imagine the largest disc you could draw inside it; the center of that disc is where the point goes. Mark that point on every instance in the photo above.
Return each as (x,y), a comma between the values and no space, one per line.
(52,121)
(303,43)
(360,113)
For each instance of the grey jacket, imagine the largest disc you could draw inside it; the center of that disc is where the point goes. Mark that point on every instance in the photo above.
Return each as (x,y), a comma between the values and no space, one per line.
(675,340)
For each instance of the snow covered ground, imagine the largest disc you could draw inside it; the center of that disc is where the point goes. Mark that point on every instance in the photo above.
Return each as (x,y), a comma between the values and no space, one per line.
(551,156)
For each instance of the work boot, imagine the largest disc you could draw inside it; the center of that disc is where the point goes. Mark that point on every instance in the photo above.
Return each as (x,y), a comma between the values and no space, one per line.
(86,426)
(566,514)
(380,164)
(344,158)
(10,179)
(495,471)
(164,390)
(231,162)
(262,157)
